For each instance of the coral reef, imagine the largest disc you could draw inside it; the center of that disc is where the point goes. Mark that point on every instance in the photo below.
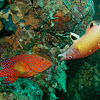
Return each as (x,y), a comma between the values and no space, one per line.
(83,79)
(1,3)
(22,89)
(52,79)
(87,82)
(97,7)
(41,27)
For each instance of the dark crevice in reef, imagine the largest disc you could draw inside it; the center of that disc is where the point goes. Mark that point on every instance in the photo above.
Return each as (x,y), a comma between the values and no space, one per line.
(4,33)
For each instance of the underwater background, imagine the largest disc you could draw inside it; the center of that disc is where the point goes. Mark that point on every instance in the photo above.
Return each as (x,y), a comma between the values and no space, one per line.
(43,27)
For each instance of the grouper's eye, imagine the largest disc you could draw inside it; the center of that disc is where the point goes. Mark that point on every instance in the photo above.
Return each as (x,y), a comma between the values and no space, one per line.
(70,57)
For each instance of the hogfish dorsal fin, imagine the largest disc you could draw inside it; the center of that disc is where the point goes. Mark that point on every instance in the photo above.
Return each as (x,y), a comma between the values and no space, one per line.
(74,37)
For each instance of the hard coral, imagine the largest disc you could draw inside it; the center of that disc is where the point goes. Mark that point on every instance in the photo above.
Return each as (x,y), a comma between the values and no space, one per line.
(52,79)
(1,3)
(22,89)
(60,20)
(39,29)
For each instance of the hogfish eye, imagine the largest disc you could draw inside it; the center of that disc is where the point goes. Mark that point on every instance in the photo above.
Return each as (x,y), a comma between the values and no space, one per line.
(70,57)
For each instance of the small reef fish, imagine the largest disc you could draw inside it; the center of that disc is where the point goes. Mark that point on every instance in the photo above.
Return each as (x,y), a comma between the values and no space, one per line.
(86,45)
(25,65)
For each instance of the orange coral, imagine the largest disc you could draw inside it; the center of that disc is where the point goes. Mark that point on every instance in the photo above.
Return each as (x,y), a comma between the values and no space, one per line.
(60,20)
(36,49)
(31,21)
(28,40)
(9,40)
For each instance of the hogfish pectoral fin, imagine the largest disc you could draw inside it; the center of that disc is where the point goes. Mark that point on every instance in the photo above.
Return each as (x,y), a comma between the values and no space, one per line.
(62,54)
(9,80)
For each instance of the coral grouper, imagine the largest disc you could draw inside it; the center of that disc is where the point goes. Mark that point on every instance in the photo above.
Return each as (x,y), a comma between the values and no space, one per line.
(86,45)
(25,65)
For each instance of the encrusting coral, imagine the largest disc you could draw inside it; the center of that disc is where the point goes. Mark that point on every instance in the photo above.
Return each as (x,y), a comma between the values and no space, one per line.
(39,27)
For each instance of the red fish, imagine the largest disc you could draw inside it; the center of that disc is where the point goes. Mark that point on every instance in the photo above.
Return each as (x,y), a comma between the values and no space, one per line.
(86,45)
(25,65)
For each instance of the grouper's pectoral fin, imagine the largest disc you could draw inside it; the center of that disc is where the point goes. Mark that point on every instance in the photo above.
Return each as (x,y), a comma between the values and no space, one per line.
(9,80)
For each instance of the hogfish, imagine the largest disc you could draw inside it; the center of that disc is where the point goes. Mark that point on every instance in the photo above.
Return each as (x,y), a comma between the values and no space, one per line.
(86,45)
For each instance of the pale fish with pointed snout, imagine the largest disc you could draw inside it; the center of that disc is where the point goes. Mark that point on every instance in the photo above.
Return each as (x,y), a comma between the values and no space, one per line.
(86,45)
